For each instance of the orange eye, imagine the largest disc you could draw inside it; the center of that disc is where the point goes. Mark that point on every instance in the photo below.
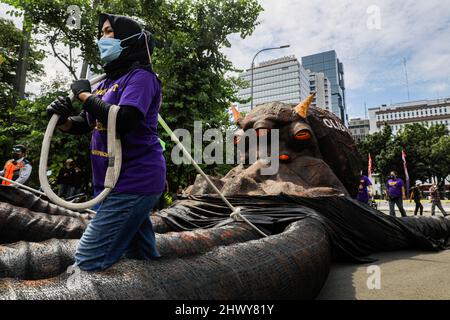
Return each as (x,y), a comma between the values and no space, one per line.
(302,135)
(284,157)
(262,132)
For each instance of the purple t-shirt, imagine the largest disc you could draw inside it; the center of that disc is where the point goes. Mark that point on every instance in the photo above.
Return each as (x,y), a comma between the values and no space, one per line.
(395,188)
(143,164)
(363,194)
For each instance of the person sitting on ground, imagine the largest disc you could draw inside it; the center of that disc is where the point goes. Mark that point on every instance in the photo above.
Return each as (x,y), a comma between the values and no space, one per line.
(436,200)
(18,168)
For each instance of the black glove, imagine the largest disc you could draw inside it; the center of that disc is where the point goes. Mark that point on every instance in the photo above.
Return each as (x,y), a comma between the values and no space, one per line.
(63,107)
(80,86)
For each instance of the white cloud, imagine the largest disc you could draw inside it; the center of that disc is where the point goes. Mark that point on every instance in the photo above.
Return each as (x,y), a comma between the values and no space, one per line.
(439,87)
(373,59)
(3,9)
(378,89)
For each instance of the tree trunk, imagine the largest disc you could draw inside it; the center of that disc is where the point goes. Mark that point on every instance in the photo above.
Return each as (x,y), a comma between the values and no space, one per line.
(21,71)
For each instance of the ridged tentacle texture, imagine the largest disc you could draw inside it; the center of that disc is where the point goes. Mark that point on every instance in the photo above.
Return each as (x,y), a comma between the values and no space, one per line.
(305,208)
(290,265)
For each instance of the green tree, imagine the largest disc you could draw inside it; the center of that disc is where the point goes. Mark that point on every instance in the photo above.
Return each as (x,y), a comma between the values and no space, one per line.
(12,123)
(412,140)
(440,156)
(188,57)
(375,144)
(417,140)
(426,151)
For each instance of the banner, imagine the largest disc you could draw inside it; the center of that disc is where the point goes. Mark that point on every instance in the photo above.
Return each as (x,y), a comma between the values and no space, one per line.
(369,168)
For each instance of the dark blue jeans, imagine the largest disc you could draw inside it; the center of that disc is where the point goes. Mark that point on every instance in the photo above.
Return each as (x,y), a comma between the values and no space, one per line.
(121,227)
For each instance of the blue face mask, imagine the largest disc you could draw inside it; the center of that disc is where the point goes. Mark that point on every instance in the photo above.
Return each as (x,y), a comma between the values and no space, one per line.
(111,48)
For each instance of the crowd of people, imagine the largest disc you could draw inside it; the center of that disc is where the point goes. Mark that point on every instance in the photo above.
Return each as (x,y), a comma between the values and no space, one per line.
(17,171)
(396,193)
(69,180)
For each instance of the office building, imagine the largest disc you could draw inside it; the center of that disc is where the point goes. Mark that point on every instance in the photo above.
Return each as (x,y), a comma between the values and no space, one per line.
(359,128)
(282,79)
(428,112)
(329,64)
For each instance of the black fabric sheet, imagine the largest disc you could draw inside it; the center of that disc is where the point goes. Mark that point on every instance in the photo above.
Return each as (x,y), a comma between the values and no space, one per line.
(356,230)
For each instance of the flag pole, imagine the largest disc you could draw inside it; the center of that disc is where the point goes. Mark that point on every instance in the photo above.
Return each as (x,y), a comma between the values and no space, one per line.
(406,172)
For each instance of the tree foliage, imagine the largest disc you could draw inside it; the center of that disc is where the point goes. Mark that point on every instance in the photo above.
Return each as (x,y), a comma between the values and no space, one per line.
(14,119)
(188,58)
(427,151)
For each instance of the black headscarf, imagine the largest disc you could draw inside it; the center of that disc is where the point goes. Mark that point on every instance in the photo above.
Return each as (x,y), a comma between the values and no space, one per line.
(135,55)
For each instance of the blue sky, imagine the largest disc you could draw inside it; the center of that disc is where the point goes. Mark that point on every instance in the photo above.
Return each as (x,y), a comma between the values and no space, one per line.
(371,49)
(372,56)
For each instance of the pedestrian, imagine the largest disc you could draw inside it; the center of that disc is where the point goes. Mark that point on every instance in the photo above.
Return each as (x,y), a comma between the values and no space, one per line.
(18,168)
(122,226)
(364,189)
(65,179)
(395,193)
(77,180)
(416,195)
(436,200)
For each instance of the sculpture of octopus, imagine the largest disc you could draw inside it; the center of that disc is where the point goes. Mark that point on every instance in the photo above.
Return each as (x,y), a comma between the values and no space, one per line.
(306,208)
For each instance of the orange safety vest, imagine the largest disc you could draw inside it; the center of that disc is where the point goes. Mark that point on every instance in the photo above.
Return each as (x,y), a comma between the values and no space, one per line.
(12,171)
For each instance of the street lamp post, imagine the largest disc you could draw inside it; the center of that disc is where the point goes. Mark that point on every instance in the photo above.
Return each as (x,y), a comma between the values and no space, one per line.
(253,66)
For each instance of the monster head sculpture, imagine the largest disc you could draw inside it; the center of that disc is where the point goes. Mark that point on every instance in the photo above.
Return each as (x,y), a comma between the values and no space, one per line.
(302,168)
(295,136)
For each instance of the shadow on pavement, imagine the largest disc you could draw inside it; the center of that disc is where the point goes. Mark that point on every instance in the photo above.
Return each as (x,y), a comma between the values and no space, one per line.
(404,275)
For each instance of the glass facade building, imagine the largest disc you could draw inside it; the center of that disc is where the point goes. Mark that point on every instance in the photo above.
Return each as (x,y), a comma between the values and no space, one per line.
(329,64)
(283,80)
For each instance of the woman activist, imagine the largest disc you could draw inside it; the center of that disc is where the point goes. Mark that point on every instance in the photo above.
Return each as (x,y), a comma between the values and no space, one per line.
(121,225)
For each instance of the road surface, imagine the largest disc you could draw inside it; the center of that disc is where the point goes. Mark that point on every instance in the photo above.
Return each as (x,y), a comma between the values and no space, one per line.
(410,275)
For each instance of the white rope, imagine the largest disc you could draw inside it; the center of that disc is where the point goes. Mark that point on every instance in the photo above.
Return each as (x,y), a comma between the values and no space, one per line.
(23,186)
(237,216)
(236,212)
(114,163)
(34,190)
